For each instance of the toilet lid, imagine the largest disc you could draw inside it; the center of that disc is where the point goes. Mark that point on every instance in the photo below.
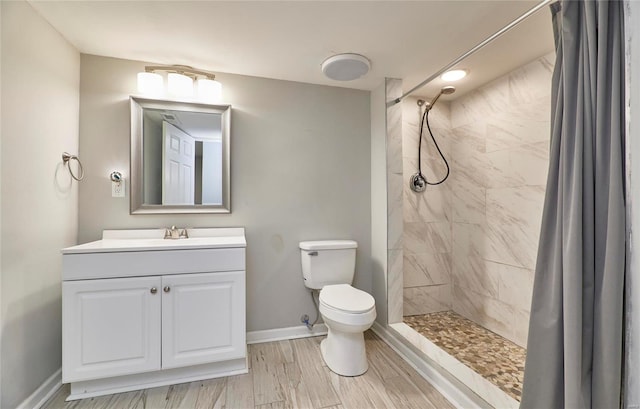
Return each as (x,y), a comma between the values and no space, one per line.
(346,298)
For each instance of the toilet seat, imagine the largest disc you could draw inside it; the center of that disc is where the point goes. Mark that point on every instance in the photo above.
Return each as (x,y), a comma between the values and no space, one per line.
(346,299)
(347,305)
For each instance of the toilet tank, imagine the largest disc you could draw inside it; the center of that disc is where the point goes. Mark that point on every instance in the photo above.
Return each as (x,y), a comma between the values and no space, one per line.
(328,262)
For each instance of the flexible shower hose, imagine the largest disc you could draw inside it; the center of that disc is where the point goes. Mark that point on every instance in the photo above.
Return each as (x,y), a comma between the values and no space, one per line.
(425,118)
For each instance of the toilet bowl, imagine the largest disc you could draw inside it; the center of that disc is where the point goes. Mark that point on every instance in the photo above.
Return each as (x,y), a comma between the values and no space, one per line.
(347,313)
(329,266)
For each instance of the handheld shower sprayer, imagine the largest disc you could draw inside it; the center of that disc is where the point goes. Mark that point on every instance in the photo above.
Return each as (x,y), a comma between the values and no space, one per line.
(418,183)
(449,89)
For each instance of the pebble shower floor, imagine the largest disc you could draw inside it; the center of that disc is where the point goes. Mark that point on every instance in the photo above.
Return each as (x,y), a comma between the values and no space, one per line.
(493,357)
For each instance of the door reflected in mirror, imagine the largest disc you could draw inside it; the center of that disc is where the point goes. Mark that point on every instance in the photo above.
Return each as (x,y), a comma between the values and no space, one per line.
(180,157)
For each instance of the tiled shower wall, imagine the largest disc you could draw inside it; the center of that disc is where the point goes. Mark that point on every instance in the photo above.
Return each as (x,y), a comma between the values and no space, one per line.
(393,89)
(427,216)
(474,240)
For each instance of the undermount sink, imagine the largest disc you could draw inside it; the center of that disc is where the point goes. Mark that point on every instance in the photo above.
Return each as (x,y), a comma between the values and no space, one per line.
(153,239)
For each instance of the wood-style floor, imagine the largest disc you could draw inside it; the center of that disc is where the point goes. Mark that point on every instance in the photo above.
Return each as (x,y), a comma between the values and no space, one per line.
(286,374)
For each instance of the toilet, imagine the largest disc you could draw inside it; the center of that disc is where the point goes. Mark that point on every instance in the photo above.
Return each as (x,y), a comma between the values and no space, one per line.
(329,266)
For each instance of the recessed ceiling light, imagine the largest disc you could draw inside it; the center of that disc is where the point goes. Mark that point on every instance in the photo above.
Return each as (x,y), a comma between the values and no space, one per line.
(346,67)
(454,75)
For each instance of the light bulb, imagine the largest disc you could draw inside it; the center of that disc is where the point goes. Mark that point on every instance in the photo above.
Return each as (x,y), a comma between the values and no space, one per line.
(150,83)
(179,85)
(209,90)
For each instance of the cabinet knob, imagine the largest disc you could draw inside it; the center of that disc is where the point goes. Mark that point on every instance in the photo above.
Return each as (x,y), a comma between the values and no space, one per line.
(154,290)
(167,289)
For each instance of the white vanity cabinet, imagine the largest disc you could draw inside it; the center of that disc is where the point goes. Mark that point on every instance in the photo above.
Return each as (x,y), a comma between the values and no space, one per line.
(110,327)
(202,318)
(139,312)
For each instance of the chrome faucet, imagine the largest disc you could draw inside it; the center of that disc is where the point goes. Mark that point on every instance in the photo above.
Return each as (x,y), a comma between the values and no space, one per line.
(174,233)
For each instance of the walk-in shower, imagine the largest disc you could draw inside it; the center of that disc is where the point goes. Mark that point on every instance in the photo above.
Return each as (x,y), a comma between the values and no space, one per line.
(461,268)
(470,243)
(418,182)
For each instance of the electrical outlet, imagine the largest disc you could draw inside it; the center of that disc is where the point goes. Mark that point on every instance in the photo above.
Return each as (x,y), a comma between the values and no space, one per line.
(117,189)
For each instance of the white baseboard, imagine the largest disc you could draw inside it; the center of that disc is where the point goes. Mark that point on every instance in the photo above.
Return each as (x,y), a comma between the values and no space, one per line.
(279,334)
(459,396)
(43,393)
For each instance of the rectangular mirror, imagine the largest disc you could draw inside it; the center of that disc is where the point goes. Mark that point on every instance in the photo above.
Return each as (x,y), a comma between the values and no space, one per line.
(179,157)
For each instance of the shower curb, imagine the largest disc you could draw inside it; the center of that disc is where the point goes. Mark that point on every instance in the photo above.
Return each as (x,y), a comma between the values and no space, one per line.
(453,390)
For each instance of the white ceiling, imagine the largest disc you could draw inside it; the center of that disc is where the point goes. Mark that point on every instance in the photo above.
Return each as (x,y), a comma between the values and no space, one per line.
(289,40)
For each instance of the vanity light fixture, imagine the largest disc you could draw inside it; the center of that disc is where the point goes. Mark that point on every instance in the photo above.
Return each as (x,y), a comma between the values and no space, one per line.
(180,82)
(454,75)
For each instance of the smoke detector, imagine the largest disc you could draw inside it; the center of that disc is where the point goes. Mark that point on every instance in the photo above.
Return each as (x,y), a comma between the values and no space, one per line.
(346,67)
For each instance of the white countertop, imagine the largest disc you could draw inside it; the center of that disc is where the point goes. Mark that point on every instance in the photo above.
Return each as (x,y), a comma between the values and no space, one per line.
(152,240)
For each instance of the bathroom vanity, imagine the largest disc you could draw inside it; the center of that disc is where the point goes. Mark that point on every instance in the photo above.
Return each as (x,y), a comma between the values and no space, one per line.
(140,311)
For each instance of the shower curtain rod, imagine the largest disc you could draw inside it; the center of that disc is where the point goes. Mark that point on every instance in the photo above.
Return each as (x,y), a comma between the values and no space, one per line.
(472,51)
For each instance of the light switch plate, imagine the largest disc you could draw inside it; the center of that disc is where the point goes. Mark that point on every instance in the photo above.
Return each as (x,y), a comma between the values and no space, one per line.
(117,189)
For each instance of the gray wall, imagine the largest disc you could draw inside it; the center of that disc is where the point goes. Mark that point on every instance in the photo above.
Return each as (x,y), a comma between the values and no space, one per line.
(40,88)
(300,163)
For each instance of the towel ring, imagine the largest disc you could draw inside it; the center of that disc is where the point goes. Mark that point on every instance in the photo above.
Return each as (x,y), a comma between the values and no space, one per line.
(66,158)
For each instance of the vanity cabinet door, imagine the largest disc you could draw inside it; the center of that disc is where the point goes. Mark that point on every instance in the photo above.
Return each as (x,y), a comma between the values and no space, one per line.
(203,318)
(110,327)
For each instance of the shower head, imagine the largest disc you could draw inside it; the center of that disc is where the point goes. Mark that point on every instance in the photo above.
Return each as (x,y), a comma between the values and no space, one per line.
(449,89)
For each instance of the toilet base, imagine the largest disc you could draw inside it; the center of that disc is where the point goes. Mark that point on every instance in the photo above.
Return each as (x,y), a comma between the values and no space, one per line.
(344,352)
